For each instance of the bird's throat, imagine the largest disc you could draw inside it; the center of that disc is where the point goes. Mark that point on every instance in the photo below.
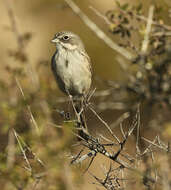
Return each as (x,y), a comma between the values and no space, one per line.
(68,46)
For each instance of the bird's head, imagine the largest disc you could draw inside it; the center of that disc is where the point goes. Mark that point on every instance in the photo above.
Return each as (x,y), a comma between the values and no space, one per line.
(68,40)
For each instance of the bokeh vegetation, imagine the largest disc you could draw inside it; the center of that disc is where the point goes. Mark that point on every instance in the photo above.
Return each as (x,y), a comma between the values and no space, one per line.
(129,147)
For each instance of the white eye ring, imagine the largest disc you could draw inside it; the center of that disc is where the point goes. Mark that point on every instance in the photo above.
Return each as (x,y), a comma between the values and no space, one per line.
(65,37)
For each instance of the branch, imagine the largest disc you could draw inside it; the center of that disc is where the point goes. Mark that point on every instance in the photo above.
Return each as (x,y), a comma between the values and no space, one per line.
(148,30)
(99,32)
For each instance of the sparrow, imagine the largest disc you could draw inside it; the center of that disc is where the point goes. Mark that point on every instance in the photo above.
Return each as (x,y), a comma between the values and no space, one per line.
(71,67)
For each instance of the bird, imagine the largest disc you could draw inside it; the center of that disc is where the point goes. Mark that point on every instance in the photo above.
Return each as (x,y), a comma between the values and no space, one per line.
(71,67)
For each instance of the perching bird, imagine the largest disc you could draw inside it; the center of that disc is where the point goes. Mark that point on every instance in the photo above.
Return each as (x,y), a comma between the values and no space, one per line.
(71,67)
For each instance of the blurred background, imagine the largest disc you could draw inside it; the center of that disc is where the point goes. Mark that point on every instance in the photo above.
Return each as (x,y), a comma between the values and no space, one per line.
(30,100)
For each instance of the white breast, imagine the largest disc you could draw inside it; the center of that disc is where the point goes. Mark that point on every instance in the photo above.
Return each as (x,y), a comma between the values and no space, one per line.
(73,68)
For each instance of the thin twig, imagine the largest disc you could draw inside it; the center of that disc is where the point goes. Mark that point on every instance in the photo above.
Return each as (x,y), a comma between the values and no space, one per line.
(138,129)
(105,124)
(84,157)
(100,15)
(122,131)
(154,144)
(120,120)
(155,169)
(148,30)
(149,146)
(33,119)
(28,107)
(167,27)
(78,155)
(23,152)
(20,88)
(108,140)
(91,161)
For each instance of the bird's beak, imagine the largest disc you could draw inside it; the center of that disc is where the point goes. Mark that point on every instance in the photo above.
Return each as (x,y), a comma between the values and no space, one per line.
(55,40)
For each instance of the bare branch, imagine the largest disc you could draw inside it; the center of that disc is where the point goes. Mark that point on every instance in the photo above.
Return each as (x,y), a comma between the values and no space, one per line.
(100,15)
(23,152)
(105,124)
(148,30)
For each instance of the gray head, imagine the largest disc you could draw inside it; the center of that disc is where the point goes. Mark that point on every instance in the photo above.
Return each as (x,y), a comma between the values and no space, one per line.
(68,40)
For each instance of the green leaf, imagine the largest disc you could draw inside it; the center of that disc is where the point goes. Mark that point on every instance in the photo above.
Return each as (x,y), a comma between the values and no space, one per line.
(125,6)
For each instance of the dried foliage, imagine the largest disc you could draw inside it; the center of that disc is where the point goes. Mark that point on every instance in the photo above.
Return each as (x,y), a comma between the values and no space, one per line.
(151,82)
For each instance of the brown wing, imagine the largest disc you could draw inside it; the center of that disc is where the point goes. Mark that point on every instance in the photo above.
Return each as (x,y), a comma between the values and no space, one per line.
(89,60)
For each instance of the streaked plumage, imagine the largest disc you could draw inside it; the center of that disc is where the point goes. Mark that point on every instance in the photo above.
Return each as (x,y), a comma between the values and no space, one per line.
(71,64)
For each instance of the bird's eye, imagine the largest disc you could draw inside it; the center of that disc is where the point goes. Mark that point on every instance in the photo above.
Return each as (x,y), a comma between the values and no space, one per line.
(65,37)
